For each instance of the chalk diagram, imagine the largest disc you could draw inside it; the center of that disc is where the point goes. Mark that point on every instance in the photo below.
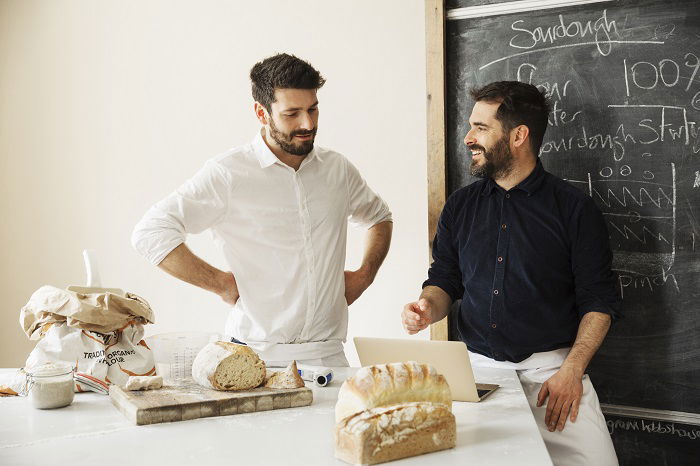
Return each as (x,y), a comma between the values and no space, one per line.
(641,217)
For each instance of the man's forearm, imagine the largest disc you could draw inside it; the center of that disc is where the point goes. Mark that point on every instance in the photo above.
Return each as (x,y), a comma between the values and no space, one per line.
(591,332)
(377,244)
(183,264)
(440,302)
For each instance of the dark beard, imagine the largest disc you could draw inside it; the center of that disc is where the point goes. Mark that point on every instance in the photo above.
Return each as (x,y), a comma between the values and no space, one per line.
(498,162)
(285,140)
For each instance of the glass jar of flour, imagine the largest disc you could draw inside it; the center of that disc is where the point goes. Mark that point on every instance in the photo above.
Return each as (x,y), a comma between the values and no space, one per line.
(50,385)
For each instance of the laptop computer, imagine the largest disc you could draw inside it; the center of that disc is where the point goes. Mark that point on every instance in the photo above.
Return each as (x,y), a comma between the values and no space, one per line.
(449,358)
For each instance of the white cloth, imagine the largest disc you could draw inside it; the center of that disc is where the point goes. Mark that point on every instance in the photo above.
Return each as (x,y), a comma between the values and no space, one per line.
(333,360)
(283,234)
(539,366)
(581,443)
(584,442)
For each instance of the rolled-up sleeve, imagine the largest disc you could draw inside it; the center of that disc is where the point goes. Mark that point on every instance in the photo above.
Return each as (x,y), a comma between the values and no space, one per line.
(591,259)
(365,208)
(195,206)
(444,272)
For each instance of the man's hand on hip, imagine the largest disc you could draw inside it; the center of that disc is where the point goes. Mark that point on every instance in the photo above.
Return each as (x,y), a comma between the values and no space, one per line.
(228,289)
(563,392)
(355,284)
(183,264)
(416,316)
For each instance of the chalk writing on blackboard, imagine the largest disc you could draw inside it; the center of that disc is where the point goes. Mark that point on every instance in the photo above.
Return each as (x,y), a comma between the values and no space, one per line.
(624,84)
(653,427)
(641,214)
(601,32)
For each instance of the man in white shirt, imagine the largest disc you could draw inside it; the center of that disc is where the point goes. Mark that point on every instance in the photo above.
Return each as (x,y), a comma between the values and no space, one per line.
(278,207)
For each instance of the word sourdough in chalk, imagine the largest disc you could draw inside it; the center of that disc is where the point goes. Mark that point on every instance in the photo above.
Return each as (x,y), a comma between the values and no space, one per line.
(615,142)
(599,30)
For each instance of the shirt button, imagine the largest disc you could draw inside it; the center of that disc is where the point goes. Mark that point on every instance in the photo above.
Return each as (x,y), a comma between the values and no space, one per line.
(500,259)
(507,196)
(503,227)
(495,291)
(493,326)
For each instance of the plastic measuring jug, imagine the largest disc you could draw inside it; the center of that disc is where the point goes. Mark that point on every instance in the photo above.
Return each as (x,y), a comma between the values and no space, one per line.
(173,353)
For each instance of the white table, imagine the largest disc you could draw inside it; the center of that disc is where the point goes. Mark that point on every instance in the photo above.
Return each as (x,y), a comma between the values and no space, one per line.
(497,431)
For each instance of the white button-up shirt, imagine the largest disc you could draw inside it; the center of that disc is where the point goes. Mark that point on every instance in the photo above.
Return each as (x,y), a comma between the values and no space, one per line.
(283,234)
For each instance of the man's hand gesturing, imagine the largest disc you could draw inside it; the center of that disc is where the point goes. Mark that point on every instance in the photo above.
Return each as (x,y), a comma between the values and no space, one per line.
(416,316)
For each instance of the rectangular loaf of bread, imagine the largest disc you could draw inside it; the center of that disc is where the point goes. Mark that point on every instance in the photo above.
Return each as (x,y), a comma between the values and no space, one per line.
(388,384)
(392,432)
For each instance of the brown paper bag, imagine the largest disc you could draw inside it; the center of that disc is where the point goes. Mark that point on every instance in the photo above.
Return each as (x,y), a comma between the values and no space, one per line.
(100,334)
(98,312)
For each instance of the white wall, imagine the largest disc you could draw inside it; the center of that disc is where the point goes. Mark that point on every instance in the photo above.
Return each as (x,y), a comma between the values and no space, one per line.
(106,106)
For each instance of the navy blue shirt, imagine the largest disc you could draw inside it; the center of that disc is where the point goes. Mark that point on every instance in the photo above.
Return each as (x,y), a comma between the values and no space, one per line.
(527,264)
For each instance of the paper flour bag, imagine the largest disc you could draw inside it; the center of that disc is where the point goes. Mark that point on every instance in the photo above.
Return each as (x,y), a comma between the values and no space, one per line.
(101,334)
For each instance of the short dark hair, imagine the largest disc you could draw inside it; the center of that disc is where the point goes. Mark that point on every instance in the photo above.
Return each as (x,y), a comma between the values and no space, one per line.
(521,104)
(282,71)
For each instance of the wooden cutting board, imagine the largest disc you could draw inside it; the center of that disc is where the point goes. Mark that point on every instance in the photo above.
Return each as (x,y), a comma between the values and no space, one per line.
(188,400)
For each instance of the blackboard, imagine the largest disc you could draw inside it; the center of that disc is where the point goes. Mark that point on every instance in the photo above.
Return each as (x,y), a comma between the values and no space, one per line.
(651,440)
(624,78)
(451,4)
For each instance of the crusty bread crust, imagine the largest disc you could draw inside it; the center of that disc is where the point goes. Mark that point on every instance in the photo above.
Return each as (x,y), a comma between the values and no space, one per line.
(387,384)
(288,378)
(397,431)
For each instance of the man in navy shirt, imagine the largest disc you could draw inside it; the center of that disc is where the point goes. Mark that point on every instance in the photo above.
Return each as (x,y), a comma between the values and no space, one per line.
(528,255)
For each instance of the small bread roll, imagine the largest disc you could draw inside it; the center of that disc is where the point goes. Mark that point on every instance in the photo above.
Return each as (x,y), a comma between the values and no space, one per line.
(228,366)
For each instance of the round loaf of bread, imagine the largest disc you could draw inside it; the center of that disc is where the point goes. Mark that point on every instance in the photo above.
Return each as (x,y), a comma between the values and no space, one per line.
(227,366)
(387,384)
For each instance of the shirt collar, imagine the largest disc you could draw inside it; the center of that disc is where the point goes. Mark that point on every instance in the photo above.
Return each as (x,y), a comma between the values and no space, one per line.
(529,185)
(266,158)
(489,187)
(534,180)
